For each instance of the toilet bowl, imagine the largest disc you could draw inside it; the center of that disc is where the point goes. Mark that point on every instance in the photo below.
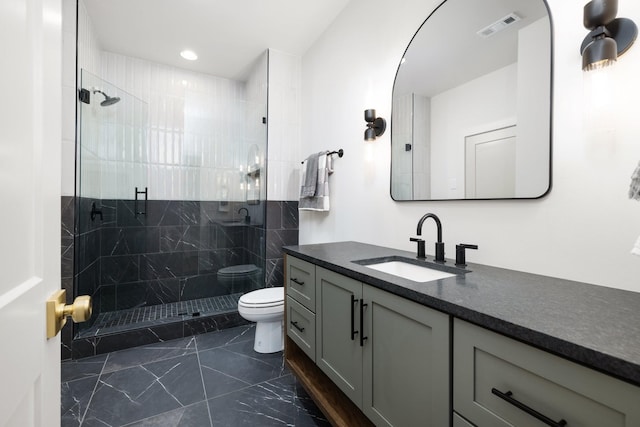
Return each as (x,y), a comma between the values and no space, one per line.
(266,308)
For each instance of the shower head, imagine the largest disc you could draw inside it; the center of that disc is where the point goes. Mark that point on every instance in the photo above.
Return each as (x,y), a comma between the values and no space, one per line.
(108,100)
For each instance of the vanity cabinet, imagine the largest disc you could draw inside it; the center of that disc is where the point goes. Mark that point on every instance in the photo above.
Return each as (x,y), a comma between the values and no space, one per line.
(498,381)
(381,359)
(300,317)
(389,355)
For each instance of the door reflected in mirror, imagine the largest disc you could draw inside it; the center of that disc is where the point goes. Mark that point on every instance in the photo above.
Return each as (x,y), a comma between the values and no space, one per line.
(472,104)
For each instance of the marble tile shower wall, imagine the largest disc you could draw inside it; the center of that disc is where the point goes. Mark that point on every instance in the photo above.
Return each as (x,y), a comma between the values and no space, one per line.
(281,230)
(171,254)
(66,252)
(172,232)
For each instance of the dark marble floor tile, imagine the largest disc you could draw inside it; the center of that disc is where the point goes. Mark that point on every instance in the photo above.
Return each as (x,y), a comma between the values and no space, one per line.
(146,386)
(217,383)
(180,377)
(225,337)
(245,348)
(245,368)
(196,415)
(150,353)
(75,396)
(306,412)
(143,391)
(82,368)
(83,348)
(273,403)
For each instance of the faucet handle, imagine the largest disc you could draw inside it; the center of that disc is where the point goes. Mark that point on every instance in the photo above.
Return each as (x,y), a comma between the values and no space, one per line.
(421,247)
(440,252)
(460,253)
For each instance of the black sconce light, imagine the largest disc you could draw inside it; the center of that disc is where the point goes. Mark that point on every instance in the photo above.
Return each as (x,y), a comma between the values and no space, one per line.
(375,125)
(609,38)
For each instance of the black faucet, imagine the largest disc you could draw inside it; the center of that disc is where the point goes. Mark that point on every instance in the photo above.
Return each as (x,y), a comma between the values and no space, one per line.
(460,254)
(421,244)
(247,218)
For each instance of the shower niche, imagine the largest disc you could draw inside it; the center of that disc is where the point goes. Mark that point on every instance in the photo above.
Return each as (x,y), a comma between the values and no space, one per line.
(162,191)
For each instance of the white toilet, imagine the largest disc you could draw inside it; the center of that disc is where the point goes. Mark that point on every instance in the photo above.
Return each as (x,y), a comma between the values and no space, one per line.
(266,308)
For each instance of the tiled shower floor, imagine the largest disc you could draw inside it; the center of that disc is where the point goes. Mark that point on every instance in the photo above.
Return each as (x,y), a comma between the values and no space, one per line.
(213,379)
(140,317)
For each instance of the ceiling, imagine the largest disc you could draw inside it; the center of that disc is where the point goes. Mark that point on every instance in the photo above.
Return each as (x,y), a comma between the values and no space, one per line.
(228,36)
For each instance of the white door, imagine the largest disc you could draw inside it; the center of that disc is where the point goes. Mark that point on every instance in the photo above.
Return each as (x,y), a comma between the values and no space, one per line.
(30,86)
(490,164)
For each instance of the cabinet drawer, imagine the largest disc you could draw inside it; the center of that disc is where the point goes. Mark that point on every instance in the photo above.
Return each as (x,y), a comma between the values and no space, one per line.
(301,327)
(493,374)
(301,282)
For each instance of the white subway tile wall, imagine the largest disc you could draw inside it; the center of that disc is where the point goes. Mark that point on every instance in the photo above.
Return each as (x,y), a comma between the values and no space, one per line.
(200,126)
(184,135)
(284,126)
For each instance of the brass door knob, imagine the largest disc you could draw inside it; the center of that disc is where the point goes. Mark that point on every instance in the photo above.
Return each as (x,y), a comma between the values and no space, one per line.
(80,310)
(58,311)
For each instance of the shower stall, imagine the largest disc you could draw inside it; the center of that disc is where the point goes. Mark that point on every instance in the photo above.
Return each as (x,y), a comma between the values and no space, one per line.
(170,201)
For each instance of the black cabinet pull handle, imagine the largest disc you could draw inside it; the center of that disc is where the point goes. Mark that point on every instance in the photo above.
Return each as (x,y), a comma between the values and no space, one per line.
(354,301)
(507,397)
(295,280)
(295,325)
(362,337)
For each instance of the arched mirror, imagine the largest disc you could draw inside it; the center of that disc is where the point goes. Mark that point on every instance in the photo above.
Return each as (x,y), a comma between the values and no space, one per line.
(471,116)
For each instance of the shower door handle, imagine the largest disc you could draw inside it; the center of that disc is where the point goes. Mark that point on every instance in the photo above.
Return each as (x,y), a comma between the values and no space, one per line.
(58,311)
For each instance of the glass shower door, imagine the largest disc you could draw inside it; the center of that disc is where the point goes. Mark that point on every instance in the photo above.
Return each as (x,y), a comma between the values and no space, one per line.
(111,163)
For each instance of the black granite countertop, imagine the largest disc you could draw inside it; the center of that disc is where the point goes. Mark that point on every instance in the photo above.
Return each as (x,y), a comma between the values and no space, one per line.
(592,325)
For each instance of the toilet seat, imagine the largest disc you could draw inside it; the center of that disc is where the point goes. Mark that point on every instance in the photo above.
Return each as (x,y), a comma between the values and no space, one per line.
(263,298)
(238,270)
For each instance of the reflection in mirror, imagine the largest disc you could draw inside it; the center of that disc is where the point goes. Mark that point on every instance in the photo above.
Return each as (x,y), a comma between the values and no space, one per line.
(472,104)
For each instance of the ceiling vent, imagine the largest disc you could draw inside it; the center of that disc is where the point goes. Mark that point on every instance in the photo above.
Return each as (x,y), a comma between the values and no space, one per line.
(499,25)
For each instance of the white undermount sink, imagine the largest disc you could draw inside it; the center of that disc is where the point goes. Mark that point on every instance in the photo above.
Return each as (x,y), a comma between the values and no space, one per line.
(417,273)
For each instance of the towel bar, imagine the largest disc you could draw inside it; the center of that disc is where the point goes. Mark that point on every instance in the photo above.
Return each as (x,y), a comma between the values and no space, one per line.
(340,153)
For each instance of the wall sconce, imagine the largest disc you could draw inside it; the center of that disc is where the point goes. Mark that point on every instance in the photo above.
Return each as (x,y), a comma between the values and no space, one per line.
(375,125)
(609,36)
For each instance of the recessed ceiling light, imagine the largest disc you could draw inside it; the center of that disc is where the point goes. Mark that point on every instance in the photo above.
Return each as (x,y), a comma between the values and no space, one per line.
(189,55)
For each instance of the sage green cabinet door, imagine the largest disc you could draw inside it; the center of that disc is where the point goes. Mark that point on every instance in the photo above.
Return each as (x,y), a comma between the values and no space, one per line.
(406,362)
(458,421)
(338,353)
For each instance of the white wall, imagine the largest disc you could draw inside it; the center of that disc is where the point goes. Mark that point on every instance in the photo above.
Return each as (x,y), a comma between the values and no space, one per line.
(284,126)
(583,230)
(480,105)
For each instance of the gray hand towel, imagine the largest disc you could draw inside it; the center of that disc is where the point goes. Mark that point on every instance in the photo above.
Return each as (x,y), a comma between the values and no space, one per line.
(634,187)
(311,177)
